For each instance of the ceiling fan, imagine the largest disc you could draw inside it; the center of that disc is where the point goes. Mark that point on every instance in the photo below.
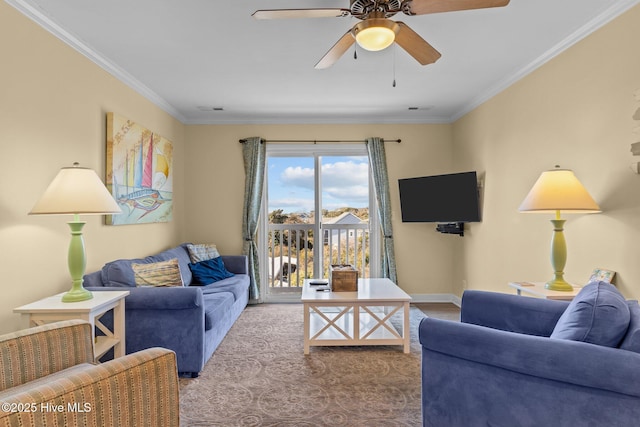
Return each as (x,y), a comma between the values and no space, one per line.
(376,31)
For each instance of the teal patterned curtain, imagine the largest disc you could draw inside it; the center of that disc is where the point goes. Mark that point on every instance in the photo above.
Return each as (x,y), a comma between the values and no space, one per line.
(378,165)
(255,154)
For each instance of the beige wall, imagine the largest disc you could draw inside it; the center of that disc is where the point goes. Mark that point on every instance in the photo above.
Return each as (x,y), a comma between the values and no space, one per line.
(575,111)
(216,188)
(53,105)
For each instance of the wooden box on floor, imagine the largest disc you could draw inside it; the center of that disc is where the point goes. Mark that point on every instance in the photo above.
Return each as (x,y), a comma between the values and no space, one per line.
(343,278)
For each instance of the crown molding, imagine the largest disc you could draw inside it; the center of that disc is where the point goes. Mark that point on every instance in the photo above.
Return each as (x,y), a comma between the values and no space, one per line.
(599,21)
(284,119)
(40,18)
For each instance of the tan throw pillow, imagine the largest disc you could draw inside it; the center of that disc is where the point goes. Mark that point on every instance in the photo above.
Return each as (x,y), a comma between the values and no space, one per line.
(163,273)
(202,252)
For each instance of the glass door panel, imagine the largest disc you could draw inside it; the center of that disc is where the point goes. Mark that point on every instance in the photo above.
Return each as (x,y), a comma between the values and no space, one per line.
(291,225)
(345,212)
(315,213)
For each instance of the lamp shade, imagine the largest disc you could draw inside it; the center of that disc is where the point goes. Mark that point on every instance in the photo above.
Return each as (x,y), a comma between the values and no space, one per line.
(559,190)
(375,33)
(76,190)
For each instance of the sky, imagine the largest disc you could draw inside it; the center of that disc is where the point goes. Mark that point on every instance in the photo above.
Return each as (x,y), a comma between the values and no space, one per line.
(345,183)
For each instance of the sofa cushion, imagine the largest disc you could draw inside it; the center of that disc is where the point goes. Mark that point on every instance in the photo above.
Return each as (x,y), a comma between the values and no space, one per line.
(631,340)
(598,315)
(202,252)
(162,273)
(216,308)
(237,285)
(120,274)
(209,271)
(182,254)
(93,279)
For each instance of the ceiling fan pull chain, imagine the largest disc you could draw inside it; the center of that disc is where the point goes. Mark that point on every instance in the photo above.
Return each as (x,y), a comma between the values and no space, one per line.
(394,65)
(355,51)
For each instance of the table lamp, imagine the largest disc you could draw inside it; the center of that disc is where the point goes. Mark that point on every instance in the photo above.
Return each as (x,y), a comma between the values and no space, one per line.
(74,191)
(557,191)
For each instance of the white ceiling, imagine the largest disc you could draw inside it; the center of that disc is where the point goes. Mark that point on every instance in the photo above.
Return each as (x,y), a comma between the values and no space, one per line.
(190,55)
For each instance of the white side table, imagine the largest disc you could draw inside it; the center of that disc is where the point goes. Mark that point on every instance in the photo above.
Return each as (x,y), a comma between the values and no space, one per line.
(52,309)
(537,289)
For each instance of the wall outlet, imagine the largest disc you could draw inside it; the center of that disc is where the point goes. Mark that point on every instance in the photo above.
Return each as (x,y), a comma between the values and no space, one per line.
(464,284)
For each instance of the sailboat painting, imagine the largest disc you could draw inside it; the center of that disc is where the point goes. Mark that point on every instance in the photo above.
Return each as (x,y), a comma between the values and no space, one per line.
(139,172)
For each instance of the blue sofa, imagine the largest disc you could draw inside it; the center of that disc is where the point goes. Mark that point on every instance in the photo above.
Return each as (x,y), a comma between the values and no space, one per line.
(505,364)
(190,320)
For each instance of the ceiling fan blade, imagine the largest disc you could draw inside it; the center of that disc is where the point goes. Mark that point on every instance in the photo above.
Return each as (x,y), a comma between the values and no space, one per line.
(416,46)
(422,7)
(336,51)
(300,13)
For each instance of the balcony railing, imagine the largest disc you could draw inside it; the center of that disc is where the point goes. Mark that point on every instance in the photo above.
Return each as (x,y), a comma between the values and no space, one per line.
(292,251)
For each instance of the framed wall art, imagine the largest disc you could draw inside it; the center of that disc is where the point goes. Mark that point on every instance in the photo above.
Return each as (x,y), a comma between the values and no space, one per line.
(139,172)
(601,275)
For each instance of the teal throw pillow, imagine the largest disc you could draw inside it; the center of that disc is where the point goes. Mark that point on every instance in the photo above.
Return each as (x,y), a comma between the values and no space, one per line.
(209,271)
(598,315)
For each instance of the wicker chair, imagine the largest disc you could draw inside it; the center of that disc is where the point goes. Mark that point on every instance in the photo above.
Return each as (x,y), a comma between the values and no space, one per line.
(47,378)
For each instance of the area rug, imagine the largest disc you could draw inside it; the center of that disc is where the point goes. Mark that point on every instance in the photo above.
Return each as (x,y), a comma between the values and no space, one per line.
(259,376)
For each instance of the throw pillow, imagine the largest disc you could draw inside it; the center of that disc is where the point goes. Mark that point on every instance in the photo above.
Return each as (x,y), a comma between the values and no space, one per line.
(598,315)
(209,271)
(163,273)
(202,252)
(631,340)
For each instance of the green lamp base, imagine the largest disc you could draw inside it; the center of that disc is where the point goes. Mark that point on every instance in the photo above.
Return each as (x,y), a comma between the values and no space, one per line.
(558,285)
(77,294)
(558,257)
(77,264)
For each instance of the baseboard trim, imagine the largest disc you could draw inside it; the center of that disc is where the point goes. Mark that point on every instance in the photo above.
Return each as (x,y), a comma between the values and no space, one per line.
(451,298)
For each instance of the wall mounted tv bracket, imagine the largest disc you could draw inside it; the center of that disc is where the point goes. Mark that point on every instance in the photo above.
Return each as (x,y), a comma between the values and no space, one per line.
(451,228)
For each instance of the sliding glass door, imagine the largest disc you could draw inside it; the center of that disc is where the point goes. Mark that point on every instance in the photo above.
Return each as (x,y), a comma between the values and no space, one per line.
(318,210)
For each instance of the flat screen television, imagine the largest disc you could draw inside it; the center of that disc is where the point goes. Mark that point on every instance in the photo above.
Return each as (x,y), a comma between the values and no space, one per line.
(440,198)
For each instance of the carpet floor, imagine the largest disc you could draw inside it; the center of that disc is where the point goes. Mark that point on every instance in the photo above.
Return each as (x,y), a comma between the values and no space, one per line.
(259,376)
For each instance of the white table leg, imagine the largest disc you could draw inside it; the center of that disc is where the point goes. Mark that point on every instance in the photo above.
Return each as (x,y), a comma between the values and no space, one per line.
(405,328)
(307,327)
(119,329)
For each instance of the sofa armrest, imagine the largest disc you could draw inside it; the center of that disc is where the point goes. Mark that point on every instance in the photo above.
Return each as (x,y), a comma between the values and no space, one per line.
(514,313)
(64,344)
(172,318)
(159,298)
(553,359)
(138,389)
(237,264)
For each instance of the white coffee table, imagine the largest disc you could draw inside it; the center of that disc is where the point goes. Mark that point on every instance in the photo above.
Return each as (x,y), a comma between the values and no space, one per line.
(355,318)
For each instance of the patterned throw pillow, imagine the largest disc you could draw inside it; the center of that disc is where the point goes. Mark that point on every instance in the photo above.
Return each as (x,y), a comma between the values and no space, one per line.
(202,252)
(163,273)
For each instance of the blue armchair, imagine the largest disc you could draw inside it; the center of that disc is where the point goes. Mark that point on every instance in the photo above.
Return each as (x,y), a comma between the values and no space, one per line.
(500,366)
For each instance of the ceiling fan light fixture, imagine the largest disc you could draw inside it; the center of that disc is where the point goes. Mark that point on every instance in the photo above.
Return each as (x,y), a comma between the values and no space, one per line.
(375,34)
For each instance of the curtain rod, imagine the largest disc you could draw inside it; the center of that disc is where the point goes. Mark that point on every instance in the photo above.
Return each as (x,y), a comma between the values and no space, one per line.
(315,141)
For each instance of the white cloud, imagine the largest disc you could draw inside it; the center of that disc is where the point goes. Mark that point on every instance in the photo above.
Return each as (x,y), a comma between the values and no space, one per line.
(345,174)
(297,177)
(333,174)
(343,184)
